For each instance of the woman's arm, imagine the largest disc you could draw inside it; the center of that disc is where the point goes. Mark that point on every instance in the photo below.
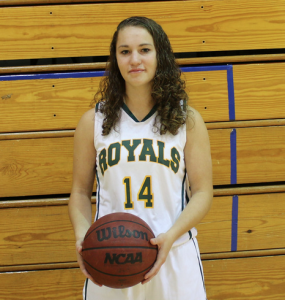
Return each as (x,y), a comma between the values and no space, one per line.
(84,161)
(199,170)
(198,162)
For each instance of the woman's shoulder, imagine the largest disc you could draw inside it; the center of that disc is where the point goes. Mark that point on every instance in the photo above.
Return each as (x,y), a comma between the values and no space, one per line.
(86,122)
(194,118)
(196,129)
(197,137)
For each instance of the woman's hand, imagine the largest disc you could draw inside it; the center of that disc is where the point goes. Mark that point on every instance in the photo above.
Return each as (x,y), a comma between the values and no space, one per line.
(78,246)
(164,241)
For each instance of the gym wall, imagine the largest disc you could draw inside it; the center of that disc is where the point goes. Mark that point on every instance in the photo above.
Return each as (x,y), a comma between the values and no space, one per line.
(232,55)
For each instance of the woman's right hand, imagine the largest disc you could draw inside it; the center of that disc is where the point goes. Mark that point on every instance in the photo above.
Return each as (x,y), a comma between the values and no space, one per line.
(81,263)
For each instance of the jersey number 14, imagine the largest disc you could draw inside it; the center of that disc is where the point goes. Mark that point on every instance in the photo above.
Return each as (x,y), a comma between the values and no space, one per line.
(144,194)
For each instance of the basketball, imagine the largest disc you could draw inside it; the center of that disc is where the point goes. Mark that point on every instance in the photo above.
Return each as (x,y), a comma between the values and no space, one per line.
(117,251)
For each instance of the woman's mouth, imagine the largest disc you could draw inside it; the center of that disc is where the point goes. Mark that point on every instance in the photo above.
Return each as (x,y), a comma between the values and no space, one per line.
(136,70)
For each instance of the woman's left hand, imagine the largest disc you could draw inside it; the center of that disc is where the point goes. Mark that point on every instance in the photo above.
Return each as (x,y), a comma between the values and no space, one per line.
(164,243)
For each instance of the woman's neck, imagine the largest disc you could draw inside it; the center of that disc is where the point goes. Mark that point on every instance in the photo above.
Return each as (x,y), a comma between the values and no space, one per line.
(139,102)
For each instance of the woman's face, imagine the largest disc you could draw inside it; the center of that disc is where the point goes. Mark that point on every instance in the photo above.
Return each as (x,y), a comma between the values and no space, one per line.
(136,56)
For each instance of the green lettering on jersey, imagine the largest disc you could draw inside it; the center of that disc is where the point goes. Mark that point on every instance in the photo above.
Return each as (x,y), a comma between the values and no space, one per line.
(102,161)
(175,160)
(147,150)
(131,149)
(161,159)
(114,148)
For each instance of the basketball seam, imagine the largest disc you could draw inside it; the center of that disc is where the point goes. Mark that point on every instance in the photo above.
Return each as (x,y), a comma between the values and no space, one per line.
(113,247)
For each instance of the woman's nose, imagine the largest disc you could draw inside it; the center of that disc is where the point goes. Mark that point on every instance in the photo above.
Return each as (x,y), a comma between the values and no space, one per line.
(135,58)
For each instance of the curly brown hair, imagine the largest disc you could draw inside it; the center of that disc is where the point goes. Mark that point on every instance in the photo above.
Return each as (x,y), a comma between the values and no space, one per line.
(168,89)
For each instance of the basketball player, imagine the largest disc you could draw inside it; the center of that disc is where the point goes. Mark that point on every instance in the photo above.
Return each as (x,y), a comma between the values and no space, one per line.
(145,145)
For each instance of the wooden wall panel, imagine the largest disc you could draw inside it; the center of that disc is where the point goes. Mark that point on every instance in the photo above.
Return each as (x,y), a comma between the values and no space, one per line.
(56,104)
(36,166)
(221,155)
(41,235)
(37,235)
(261,221)
(44,166)
(216,226)
(229,279)
(58,284)
(261,224)
(53,104)
(208,93)
(260,154)
(44,31)
(33,2)
(259,91)
(255,278)
(45,104)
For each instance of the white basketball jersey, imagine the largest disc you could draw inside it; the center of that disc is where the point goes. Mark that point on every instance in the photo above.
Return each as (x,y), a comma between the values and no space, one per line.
(141,172)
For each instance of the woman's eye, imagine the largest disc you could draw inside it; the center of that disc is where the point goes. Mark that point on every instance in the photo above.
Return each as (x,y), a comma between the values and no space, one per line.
(145,50)
(125,52)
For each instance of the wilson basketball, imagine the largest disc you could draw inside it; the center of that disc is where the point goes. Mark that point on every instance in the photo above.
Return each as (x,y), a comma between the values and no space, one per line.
(117,251)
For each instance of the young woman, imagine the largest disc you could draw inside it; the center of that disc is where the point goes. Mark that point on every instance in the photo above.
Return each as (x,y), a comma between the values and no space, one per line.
(145,145)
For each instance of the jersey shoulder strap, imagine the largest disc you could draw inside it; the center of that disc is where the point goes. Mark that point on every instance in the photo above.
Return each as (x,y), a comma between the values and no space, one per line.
(183,104)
